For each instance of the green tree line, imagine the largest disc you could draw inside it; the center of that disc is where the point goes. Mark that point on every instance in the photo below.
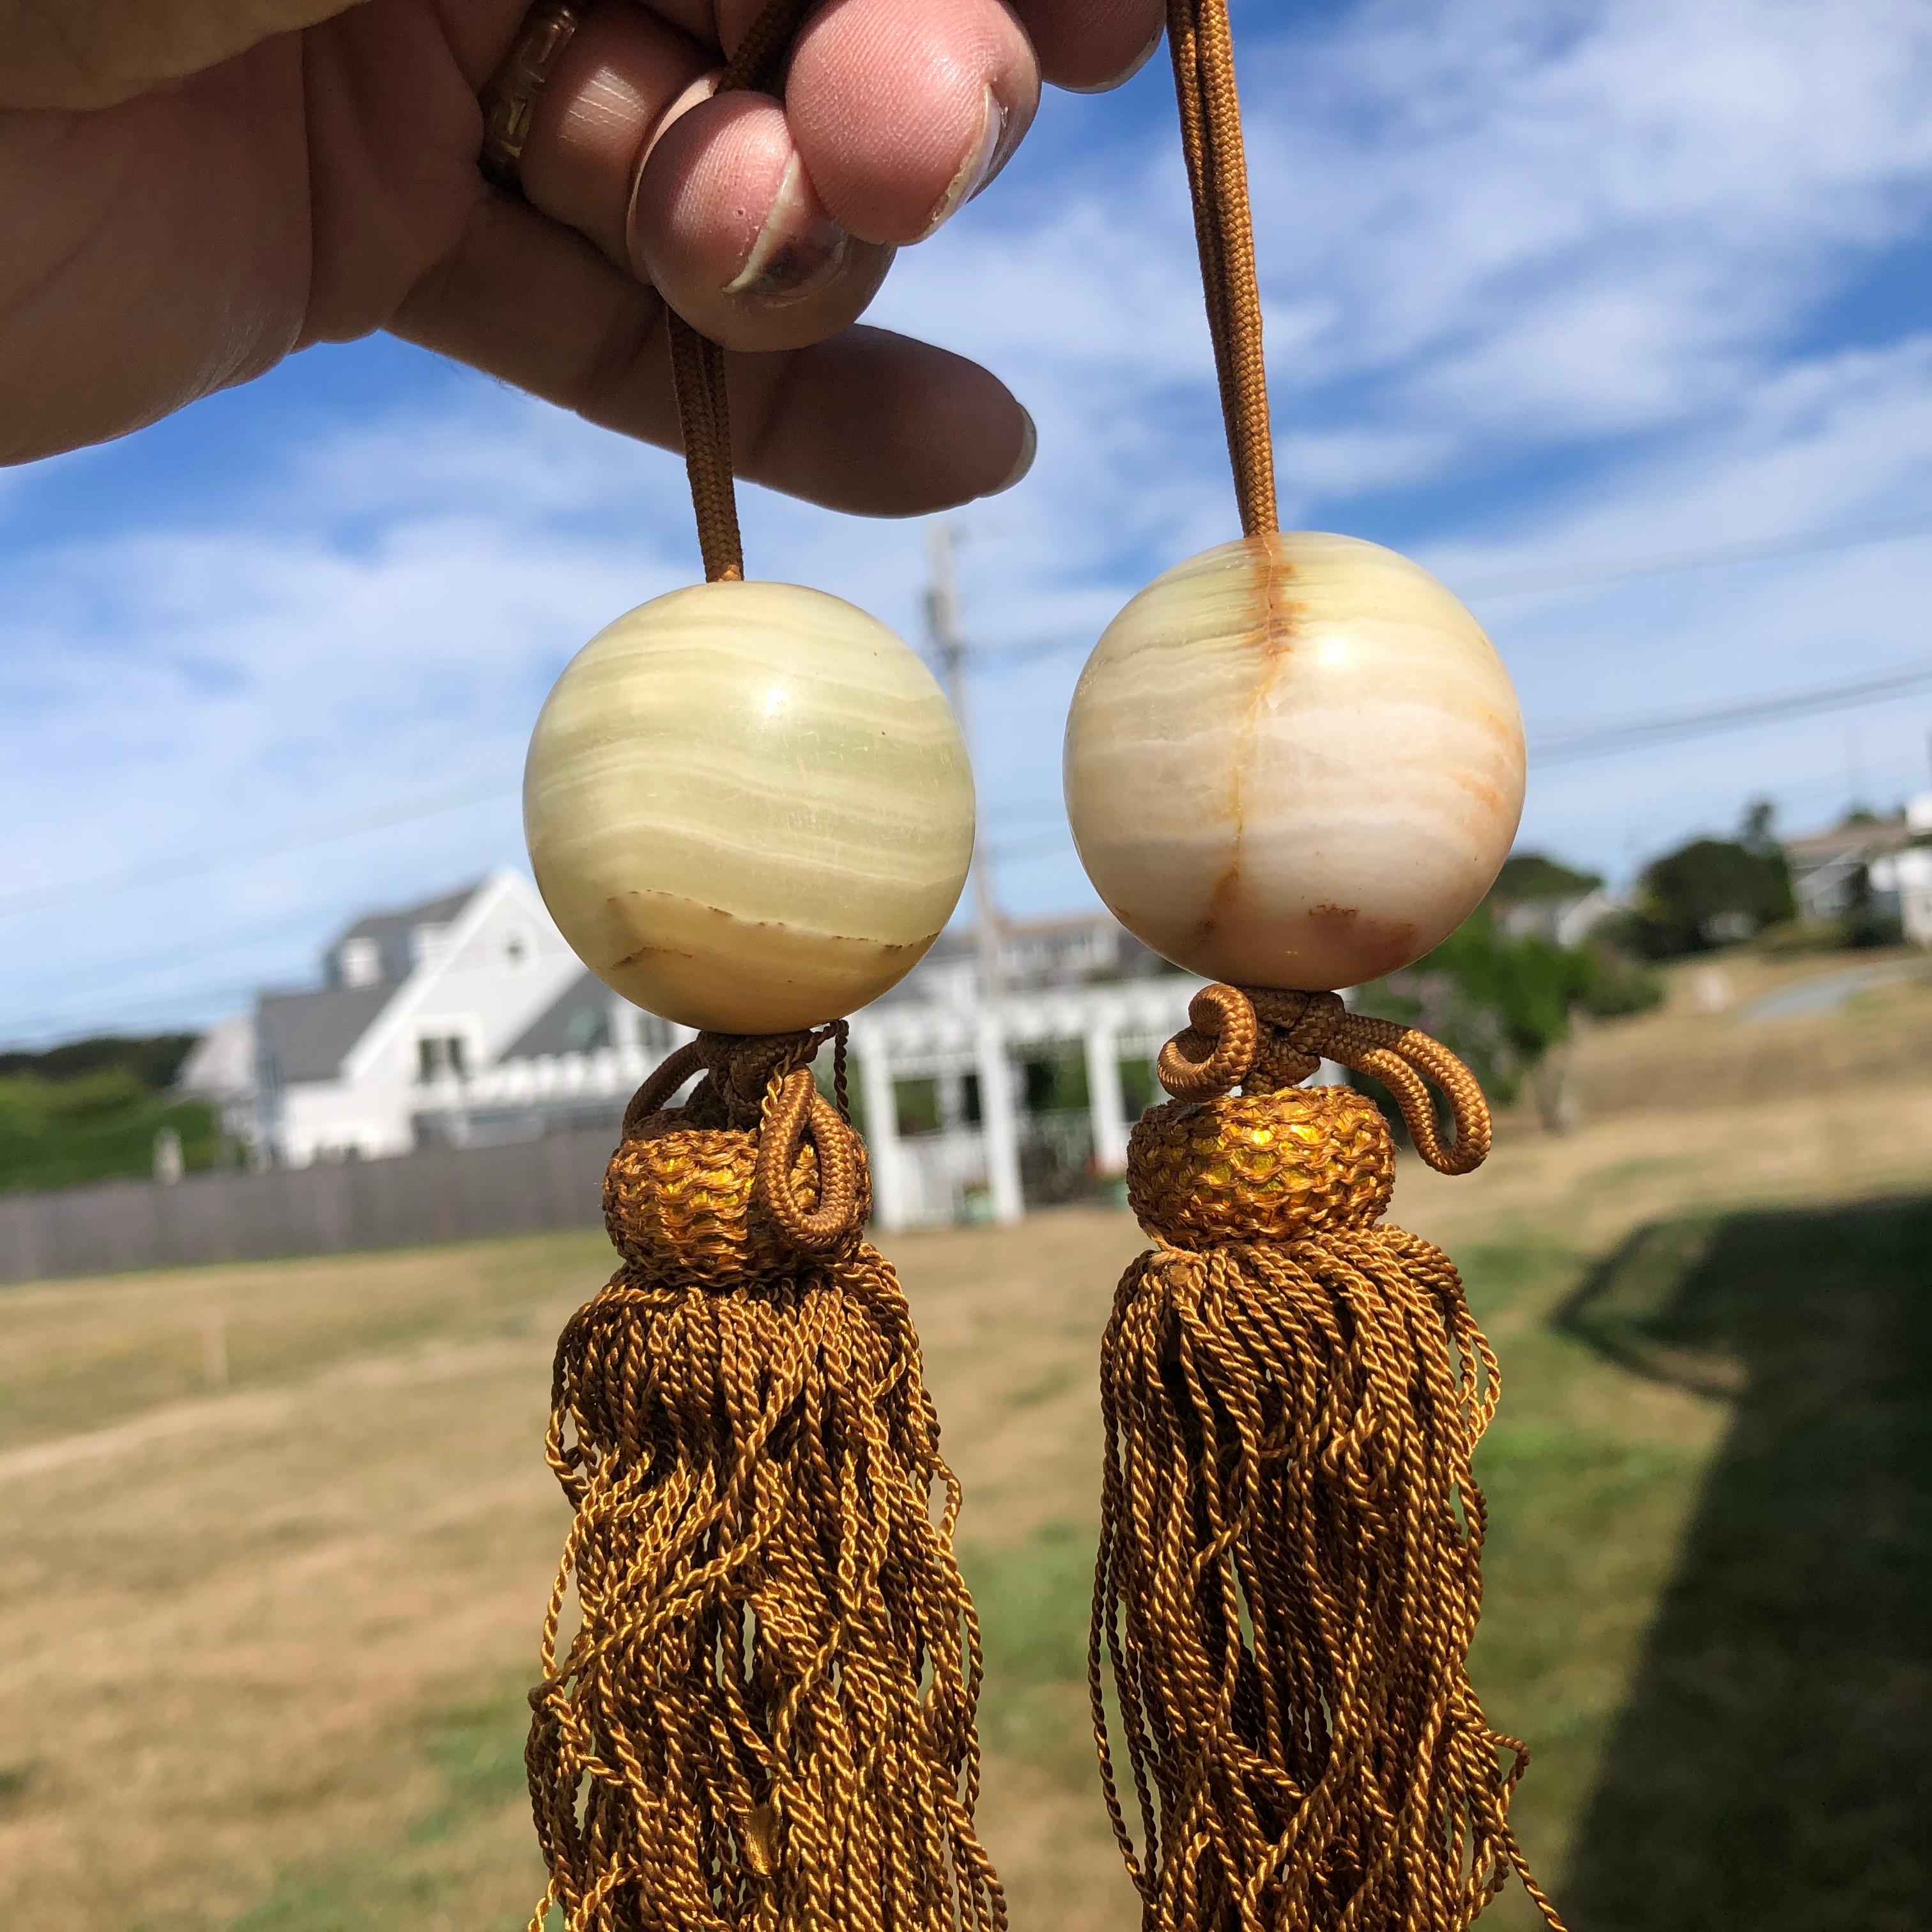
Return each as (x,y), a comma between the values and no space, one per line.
(91,1110)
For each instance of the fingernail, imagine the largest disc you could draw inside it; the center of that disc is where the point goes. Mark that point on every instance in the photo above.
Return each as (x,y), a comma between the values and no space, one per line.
(1029,449)
(1127,72)
(800,248)
(982,162)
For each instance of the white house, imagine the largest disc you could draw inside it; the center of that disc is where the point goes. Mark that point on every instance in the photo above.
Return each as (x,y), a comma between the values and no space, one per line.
(1904,875)
(412,1001)
(466,1018)
(1890,858)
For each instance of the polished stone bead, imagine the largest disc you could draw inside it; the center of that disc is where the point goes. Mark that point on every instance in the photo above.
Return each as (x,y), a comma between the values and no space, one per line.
(748,807)
(1294,761)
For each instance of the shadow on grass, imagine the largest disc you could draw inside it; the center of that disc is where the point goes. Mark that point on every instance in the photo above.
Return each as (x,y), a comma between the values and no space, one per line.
(1768,1768)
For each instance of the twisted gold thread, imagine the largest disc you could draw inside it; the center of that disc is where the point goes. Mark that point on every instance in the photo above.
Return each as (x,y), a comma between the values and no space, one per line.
(763,1716)
(1289,1569)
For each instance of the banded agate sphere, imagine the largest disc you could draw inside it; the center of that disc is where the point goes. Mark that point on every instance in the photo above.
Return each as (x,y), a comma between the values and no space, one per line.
(1294,761)
(748,807)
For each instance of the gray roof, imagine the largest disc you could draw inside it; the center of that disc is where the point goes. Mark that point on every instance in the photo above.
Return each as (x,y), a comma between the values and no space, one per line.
(391,930)
(307,1036)
(577,1021)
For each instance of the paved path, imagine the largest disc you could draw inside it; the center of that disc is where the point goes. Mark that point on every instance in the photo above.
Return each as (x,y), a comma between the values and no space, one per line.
(1824,994)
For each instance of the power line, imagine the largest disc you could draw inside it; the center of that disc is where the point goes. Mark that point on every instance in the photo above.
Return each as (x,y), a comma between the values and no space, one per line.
(942,623)
(991,658)
(65,1019)
(1673,727)
(1715,556)
(1582,576)
(214,858)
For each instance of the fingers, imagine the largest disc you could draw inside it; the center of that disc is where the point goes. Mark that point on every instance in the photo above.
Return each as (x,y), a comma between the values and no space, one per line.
(904,109)
(728,223)
(1091,45)
(866,422)
(769,228)
(624,74)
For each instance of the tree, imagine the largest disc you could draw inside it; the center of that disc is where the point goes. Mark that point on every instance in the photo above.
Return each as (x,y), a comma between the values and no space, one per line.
(93,1127)
(1528,878)
(154,1059)
(1712,891)
(1758,834)
(1507,1004)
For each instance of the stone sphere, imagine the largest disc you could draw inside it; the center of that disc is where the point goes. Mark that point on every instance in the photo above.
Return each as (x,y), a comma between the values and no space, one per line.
(1294,761)
(748,807)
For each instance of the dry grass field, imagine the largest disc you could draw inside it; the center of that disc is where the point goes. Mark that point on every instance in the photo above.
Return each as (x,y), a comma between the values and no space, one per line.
(263,1645)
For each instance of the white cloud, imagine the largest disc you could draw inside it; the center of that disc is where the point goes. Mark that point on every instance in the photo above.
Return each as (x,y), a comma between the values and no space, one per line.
(1331,464)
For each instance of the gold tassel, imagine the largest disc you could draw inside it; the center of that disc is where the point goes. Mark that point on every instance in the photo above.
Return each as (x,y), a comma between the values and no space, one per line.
(1289,1564)
(764,1718)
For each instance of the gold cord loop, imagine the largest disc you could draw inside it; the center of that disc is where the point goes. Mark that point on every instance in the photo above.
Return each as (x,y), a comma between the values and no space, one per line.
(795,1112)
(1261,1039)
(651,1097)
(1215,1051)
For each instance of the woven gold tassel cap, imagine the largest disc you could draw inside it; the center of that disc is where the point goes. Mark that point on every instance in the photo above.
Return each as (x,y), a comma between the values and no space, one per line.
(1261,1167)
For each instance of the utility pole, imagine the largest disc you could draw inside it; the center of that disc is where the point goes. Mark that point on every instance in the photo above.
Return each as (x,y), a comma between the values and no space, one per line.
(942,618)
(998,1124)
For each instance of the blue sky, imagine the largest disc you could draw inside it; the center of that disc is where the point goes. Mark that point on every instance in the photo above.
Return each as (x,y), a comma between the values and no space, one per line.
(1548,284)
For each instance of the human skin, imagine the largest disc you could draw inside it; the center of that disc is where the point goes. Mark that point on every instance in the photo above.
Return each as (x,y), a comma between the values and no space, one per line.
(191,189)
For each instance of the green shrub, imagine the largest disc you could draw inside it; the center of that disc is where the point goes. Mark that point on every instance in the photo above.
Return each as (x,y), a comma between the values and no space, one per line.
(99,1126)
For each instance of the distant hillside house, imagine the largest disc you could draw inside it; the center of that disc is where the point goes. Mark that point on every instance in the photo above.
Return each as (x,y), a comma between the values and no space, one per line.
(1886,863)
(1539,897)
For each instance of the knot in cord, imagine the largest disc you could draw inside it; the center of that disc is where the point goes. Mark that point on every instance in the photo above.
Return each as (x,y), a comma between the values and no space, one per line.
(760,1086)
(1260,1039)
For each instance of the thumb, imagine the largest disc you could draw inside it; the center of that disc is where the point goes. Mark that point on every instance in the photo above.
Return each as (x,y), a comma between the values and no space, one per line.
(80,54)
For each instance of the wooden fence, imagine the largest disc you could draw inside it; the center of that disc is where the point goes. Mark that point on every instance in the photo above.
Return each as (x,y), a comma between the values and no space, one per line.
(441,1194)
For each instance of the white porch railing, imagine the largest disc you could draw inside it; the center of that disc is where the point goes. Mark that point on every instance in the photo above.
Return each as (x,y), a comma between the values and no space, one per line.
(920,1179)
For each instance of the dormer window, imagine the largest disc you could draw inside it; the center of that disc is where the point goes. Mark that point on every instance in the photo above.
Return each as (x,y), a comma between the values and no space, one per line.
(428,942)
(359,962)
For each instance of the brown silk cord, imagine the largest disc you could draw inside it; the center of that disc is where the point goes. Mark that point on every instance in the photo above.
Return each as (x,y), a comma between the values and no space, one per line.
(1202,46)
(1289,1568)
(704,420)
(697,362)
(1238,1036)
(795,1109)
(760,1664)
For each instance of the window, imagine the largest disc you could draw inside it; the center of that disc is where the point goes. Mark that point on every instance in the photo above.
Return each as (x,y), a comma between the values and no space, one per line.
(516,952)
(359,962)
(587,1029)
(441,1056)
(428,943)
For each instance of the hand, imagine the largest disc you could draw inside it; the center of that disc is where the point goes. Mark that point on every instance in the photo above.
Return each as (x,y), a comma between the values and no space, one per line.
(190,190)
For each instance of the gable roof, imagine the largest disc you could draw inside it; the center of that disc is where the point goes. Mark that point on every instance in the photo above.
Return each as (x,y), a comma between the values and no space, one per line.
(391,930)
(307,1036)
(1860,839)
(577,1021)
